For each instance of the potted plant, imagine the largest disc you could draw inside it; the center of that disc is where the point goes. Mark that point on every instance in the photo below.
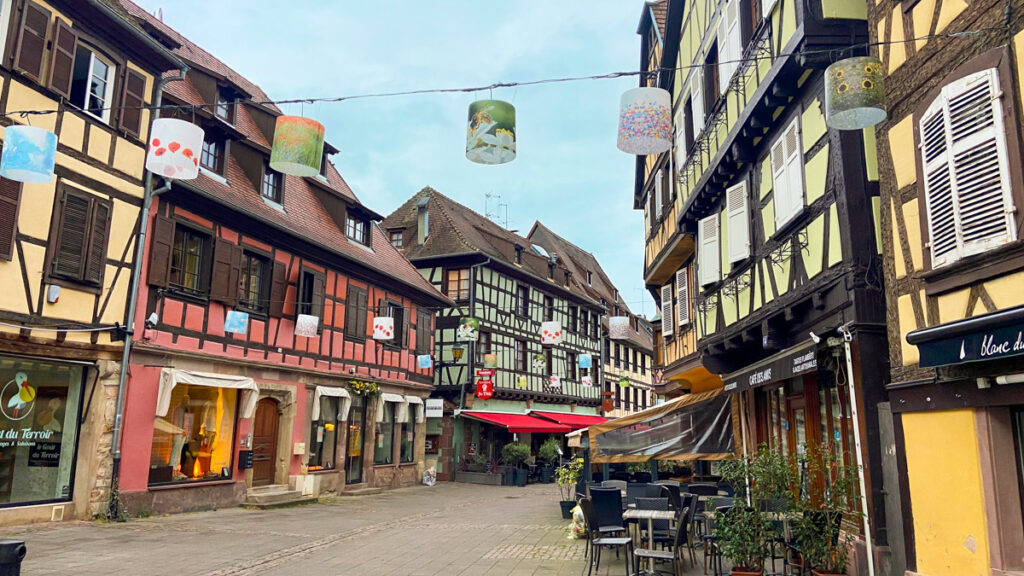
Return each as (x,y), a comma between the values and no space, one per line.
(548,453)
(513,455)
(566,476)
(478,469)
(818,531)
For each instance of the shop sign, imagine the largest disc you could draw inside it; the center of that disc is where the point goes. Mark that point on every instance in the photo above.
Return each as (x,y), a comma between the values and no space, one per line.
(787,364)
(434,408)
(44,454)
(987,345)
(484,389)
(485,372)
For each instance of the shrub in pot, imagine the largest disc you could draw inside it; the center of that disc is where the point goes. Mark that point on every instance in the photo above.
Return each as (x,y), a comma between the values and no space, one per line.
(513,455)
(566,476)
(818,530)
(548,454)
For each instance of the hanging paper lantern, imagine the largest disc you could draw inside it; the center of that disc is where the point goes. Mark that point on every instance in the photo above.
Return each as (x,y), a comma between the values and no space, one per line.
(490,360)
(550,333)
(624,382)
(383,328)
(29,154)
(587,381)
(306,325)
(424,361)
(468,331)
(491,134)
(585,361)
(645,121)
(521,382)
(540,361)
(555,381)
(855,93)
(298,146)
(484,389)
(174,149)
(236,322)
(618,327)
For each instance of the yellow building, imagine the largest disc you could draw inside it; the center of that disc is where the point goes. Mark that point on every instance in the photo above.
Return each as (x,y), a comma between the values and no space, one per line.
(949,166)
(83,70)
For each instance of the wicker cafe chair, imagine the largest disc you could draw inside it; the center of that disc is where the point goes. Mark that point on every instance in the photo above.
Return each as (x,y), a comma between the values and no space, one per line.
(596,540)
(608,510)
(675,499)
(619,484)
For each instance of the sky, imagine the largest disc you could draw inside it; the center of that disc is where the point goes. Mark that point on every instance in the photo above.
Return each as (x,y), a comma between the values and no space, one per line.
(568,173)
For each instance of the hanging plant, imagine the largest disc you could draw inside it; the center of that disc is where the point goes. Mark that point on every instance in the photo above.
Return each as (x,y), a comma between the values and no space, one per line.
(364,388)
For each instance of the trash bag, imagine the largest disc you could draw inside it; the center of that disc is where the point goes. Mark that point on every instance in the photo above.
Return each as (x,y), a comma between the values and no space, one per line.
(579,529)
(430,476)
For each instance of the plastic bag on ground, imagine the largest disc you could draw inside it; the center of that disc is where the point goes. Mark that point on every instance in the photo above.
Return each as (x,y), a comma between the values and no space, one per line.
(578,525)
(430,476)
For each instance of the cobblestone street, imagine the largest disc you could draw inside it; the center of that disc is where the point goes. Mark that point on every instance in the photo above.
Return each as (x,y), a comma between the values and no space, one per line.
(449,529)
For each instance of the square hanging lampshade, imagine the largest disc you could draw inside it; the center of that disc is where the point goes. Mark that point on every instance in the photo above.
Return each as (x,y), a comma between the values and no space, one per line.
(555,381)
(306,325)
(174,149)
(236,322)
(29,154)
(618,327)
(298,147)
(490,360)
(468,331)
(424,361)
(550,333)
(645,121)
(383,328)
(491,132)
(855,93)
(585,361)
(587,381)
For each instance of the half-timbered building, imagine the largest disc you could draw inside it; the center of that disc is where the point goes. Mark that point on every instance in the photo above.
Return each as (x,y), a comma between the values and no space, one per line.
(82,70)
(259,295)
(511,286)
(952,193)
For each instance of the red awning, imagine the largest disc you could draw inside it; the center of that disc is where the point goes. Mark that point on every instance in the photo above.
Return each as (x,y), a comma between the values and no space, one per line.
(574,421)
(517,422)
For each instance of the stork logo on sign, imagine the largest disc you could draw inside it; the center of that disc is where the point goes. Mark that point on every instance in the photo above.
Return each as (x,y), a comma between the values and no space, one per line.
(17,397)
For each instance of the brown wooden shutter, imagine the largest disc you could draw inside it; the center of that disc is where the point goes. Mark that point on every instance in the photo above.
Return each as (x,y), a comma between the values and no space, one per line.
(10,202)
(160,251)
(32,41)
(235,278)
(361,301)
(62,58)
(96,262)
(278,289)
(224,265)
(351,312)
(72,236)
(132,100)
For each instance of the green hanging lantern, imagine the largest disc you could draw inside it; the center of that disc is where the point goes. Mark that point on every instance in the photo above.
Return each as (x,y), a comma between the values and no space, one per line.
(855,93)
(624,382)
(491,132)
(298,146)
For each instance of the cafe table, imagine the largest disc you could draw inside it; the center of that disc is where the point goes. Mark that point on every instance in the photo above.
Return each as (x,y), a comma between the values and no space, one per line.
(650,516)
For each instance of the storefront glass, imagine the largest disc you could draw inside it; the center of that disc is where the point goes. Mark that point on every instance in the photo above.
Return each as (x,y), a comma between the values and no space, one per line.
(323,441)
(354,443)
(408,434)
(385,435)
(39,412)
(194,441)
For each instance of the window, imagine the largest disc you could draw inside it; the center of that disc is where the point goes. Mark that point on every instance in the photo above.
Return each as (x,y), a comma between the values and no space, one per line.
(397,313)
(253,285)
(520,352)
(618,356)
(355,441)
(382,450)
(523,300)
(643,364)
(311,294)
(225,107)
(356,229)
(396,238)
(584,323)
(39,470)
(323,435)
(709,265)
(573,360)
(423,331)
(590,278)
(355,312)
(271,188)
(407,434)
(596,326)
(92,82)
(607,350)
(79,251)
(574,315)
(710,84)
(483,346)
(658,196)
(456,284)
(618,394)
(551,270)
(549,309)
(519,254)
(212,155)
(194,440)
(966,170)
(549,355)
(787,162)
(634,360)
(1017,417)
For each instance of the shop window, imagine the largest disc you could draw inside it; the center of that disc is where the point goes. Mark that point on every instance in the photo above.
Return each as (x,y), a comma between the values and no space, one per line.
(1018,445)
(456,284)
(354,441)
(323,440)
(195,440)
(79,249)
(382,451)
(834,416)
(255,283)
(39,414)
(407,433)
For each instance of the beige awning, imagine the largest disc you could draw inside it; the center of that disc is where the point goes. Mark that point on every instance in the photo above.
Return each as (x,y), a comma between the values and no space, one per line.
(171,377)
(333,392)
(418,402)
(388,397)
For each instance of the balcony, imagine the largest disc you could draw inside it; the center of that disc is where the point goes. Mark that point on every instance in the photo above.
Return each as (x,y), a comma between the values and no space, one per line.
(666,249)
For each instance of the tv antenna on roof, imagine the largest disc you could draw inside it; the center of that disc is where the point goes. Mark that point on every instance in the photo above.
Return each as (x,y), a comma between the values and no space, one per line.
(498,208)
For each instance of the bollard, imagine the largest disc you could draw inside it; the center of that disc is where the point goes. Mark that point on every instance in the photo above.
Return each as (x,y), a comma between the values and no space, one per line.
(12,552)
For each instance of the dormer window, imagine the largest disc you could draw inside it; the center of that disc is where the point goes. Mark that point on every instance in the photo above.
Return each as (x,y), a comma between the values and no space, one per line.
(225,108)
(92,82)
(395,236)
(356,230)
(271,189)
(519,254)
(590,278)
(551,270)
(212,157)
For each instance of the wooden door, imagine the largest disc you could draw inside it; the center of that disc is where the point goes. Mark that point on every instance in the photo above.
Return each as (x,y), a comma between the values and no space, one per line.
(264,442)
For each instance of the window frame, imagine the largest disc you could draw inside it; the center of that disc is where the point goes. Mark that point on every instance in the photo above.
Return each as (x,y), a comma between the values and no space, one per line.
(483,346)
(275,180)
(394,235)
(112,72)
(312,437)
(396,312)
(357,230)
(79,281)
(549,308)
(521,355)
(410,422)
(262,306)
(459,290)
(523,303)
(227,105)
(218,154)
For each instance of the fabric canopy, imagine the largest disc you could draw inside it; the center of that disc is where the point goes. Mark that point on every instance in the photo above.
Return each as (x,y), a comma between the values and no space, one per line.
(388,397)
(418,402)
(517,422)
(574,421)
(691,427)
(171,377)
(334,392)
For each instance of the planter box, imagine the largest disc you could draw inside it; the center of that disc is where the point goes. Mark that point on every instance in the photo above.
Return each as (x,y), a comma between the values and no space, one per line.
(478,478)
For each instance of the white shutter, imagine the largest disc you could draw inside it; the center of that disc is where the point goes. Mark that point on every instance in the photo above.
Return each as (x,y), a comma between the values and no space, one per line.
(780,184)
(766,8)
(734,36)
(739,222)
(683,295)
(938,188)
(722,39)
(697,101)
(647,222)
(667,325)
(788,175)
(657,195)
(680,131)
(709,253)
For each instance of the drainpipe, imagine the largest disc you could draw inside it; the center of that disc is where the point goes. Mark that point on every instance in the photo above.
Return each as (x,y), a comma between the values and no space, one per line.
(122,383)
(471,361)
(847,336)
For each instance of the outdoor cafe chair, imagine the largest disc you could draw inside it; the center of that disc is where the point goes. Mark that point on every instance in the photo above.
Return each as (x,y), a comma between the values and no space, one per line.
(668,483)
(619,484)
(660,527)
(712,552)
(703,489)
(608,509)
(596,540)
(674,552)
(675,500)
(634,491)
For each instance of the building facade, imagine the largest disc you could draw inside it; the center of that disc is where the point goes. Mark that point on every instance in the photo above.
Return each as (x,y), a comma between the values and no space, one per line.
(259,296)
(950,171)
(510,286)
(66,248)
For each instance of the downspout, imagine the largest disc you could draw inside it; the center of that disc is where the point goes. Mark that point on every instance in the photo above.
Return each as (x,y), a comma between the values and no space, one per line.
(471,361)
(122,383)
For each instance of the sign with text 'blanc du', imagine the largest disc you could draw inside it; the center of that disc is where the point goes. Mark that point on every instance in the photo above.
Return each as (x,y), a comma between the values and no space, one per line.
(974,347)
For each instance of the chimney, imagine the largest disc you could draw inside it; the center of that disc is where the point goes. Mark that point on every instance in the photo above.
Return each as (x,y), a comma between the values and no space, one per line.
(422,221)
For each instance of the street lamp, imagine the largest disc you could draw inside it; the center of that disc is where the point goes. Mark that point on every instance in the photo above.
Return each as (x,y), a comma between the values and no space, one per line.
(457,351)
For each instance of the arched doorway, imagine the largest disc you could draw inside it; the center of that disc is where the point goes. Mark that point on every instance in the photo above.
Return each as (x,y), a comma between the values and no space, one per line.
(264,442)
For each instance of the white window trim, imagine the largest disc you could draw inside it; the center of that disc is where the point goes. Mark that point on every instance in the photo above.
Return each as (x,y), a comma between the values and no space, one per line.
(108,93)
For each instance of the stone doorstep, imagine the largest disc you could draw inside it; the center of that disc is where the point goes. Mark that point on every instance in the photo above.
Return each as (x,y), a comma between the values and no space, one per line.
(360,492)
(275,495)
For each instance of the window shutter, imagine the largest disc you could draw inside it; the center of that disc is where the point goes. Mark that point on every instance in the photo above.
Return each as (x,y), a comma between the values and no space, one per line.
(739,222)
(780,184)
(667,325)
(794,170)
(400,332)
(96,263)
(132,100)
(734,38)
(223,266)
(360,328)
(697,101)
(160,250)
(722,39)
(73,236)
(683,295)
(317,307)
(680,136)
(10,202)
(32,41)
(766,8)
(62,58)
(708,251)
(278,288)
(657,193)
(938,187)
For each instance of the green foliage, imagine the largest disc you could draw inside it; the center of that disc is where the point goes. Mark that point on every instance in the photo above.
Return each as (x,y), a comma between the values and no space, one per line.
(818,529)
(479,463)
(364,388)
(548,451)
(638,467)
(514,454)
(567,475)
(742,533)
